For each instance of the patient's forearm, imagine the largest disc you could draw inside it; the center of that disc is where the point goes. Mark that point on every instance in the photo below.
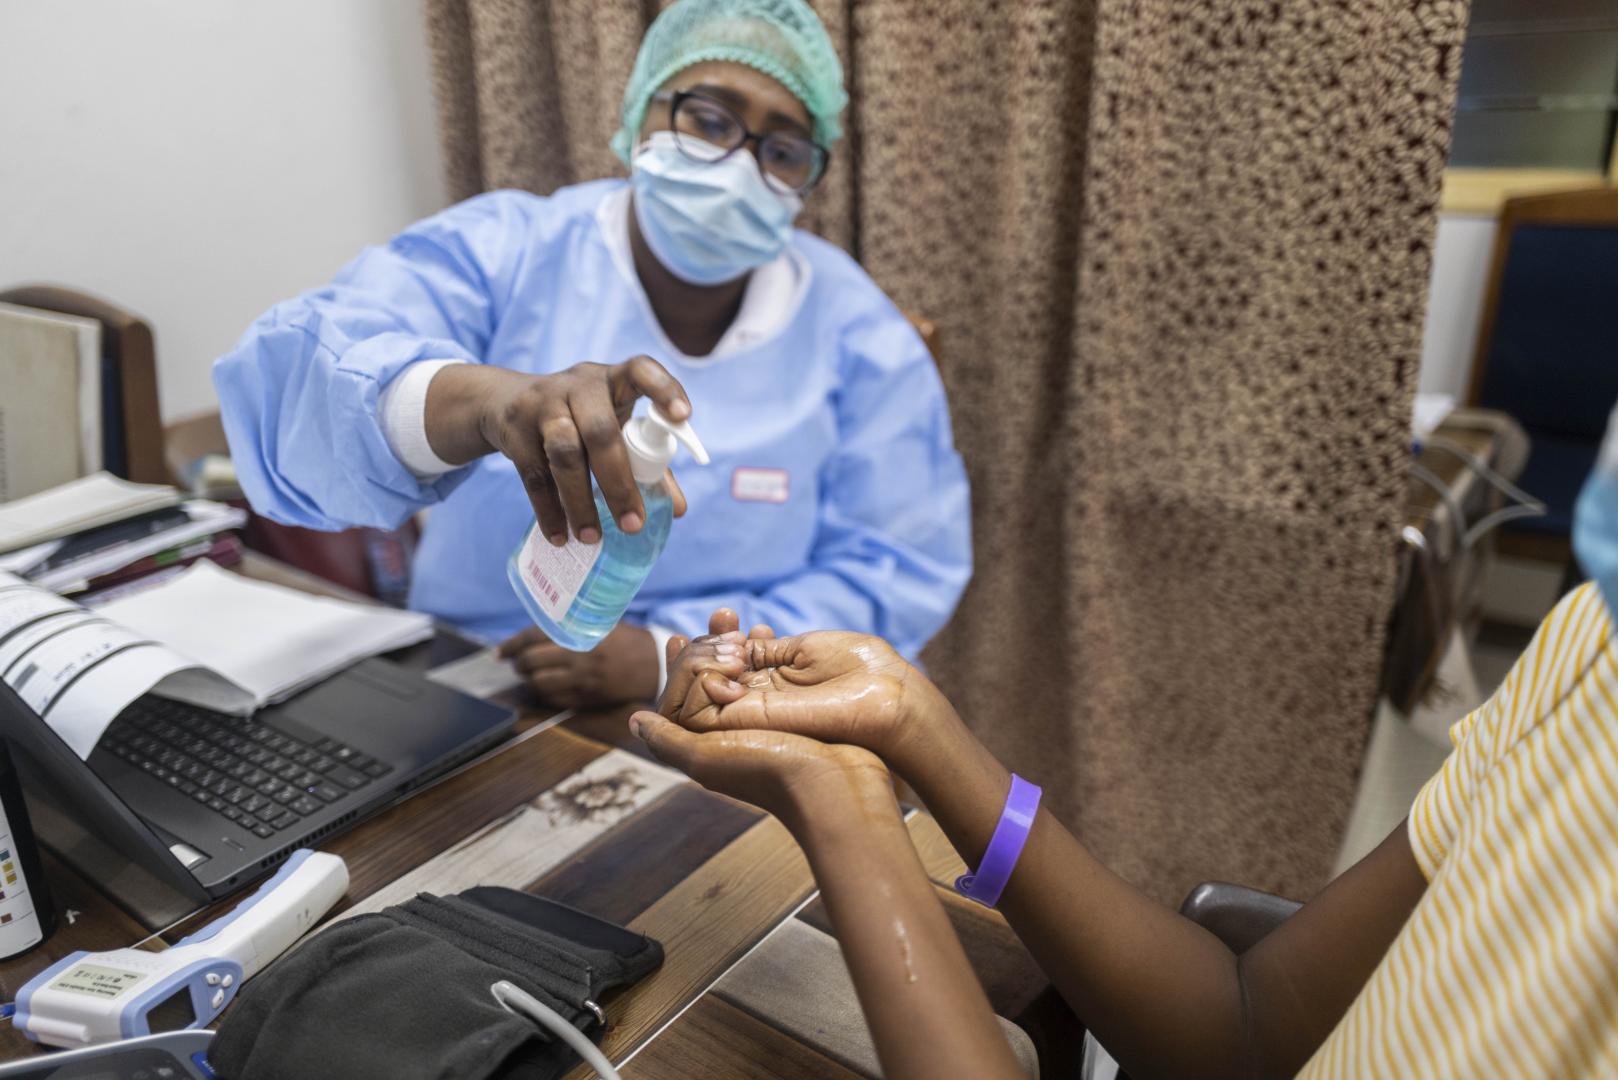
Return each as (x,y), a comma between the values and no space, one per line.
(1161,992)
(927,1013)
(1164,995)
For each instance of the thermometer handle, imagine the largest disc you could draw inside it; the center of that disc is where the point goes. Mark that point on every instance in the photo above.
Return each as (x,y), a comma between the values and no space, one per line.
(284,908)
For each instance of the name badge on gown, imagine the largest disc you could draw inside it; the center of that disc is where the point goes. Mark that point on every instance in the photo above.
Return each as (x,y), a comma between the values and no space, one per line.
(760,485)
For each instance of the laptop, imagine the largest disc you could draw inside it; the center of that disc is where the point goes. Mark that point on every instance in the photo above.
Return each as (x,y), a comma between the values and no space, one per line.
(204,802)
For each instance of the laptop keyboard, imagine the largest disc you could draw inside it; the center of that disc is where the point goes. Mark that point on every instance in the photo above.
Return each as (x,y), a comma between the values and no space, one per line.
(262,779)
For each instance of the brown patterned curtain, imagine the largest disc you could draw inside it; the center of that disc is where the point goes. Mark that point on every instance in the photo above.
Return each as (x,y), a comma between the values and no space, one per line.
(1178,253)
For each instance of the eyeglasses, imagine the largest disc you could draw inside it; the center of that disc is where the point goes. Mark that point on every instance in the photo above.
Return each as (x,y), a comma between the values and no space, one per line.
(708,131)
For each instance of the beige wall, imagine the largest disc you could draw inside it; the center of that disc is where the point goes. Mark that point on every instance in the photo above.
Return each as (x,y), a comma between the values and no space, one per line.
(198,160)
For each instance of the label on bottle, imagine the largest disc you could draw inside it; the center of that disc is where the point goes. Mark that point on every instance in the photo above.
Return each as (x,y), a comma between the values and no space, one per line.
(19,924)
(554,574)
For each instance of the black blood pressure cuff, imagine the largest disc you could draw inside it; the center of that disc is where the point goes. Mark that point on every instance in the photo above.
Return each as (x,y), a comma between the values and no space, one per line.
(404,993)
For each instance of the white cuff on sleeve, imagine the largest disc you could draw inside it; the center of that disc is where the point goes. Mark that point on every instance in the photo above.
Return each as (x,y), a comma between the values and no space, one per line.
(660,638)
(402,412)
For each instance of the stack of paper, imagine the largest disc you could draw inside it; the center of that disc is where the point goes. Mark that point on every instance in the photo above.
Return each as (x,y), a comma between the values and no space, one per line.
(96,500)
(115,532)
(269,642)
(131,547)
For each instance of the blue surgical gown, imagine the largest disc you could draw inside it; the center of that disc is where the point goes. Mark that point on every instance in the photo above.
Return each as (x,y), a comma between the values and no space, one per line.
(844,408)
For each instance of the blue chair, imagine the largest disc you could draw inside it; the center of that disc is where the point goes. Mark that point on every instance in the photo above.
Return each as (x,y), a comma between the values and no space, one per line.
(1547,350)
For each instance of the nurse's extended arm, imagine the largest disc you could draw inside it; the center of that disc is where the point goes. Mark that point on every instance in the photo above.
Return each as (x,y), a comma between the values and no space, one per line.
(559,430)
(893,549)
(300,393)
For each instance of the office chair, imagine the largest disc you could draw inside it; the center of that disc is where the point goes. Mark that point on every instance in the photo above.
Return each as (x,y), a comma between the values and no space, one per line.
(1547,351)
(928,331)
(131,426)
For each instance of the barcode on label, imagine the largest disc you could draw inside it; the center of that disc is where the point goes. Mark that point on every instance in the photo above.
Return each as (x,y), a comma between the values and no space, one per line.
(554,575)
(542,586)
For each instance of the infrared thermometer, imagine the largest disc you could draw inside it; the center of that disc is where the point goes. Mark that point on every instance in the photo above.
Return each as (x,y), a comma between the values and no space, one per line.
(90,998)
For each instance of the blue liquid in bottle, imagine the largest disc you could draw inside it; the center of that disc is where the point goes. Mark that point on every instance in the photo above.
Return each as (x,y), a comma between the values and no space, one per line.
(612,571)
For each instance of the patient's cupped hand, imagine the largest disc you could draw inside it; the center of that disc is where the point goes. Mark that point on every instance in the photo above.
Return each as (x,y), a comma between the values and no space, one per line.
(792,777)
(834,686)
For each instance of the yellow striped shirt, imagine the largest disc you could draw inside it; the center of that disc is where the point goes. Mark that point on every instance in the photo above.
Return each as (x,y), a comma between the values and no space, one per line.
(1509,964)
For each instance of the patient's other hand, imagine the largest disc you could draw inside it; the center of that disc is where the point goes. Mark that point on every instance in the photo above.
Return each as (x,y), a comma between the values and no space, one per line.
(787,775)
(721,650)
(835,686)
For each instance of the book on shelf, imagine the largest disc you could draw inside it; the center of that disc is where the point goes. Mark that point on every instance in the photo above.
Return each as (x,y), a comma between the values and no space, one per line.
(51,410)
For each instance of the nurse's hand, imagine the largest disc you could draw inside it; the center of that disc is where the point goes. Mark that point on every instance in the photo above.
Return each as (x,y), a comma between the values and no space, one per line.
(558,430)
(622,668)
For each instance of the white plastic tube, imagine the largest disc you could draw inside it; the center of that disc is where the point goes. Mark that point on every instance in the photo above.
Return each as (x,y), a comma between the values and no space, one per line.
(516,999)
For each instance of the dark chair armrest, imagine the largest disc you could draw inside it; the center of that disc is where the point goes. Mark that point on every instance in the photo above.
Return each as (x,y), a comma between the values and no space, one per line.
(1235,914)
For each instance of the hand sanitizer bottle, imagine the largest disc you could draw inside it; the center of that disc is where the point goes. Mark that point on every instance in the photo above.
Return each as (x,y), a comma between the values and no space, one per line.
(577,593)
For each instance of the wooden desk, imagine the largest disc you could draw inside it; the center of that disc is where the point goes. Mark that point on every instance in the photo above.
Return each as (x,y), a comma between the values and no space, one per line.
(578,813)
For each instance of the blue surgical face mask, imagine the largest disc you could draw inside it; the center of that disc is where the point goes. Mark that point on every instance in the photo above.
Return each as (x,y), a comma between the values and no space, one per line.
(708,222)
(1595,520)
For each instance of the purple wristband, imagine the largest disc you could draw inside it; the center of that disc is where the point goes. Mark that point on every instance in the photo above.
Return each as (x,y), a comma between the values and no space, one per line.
(1005,845)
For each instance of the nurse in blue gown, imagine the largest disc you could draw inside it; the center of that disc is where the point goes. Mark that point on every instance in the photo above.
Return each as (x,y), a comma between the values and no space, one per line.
(481,363)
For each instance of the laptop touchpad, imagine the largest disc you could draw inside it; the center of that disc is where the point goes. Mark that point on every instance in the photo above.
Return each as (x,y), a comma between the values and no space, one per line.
(382,683)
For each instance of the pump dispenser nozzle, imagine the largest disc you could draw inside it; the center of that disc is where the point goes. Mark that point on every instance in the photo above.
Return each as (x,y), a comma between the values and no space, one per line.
(652,441)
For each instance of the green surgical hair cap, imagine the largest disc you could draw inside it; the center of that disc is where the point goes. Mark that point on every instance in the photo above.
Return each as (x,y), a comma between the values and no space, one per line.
(784,39)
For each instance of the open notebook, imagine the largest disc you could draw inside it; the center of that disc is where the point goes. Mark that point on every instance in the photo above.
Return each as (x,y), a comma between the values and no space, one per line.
(204,636)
